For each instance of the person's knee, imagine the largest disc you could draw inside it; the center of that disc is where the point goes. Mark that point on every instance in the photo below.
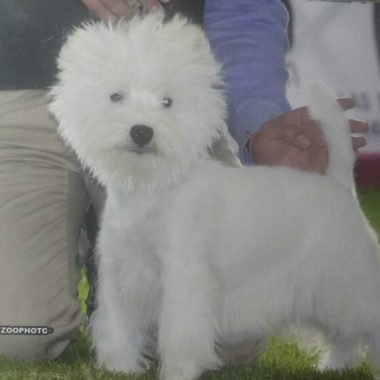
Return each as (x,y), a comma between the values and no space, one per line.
(35,347)
(44,341)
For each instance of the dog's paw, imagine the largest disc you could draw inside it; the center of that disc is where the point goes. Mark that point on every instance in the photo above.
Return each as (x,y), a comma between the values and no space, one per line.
(123,363)
(180,371)
(338,358)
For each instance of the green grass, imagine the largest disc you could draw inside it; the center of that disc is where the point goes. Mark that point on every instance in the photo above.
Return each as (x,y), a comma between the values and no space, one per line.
(281,360)
(370,201)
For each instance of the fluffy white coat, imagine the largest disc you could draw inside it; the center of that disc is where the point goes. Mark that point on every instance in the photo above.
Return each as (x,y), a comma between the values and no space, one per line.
(196,258)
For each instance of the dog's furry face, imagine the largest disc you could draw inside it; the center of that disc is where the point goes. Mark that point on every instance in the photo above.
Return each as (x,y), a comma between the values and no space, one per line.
(146,72)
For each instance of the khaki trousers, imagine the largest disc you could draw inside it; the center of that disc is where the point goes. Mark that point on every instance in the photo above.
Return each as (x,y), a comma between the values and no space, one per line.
(42,203)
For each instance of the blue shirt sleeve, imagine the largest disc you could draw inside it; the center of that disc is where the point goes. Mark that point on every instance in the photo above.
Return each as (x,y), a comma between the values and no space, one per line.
(249,38)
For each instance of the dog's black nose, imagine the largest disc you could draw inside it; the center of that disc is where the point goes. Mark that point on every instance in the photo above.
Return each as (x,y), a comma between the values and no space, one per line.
(141,134)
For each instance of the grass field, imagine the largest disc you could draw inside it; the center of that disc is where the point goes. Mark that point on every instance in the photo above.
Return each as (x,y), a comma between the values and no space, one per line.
(281,360)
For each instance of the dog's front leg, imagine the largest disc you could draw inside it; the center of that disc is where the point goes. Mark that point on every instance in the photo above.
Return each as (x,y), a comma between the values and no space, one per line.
(116,329)
(187,325)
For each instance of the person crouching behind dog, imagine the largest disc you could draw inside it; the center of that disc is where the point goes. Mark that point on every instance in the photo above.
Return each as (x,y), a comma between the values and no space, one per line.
(44,198)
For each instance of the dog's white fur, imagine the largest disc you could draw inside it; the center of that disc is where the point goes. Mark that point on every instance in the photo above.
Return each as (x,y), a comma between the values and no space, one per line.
(195,255)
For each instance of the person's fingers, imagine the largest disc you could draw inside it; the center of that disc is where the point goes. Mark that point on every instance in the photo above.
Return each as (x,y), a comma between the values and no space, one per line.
(359,142)
(358,126)
(118,8)
(346,103)
(150,4)
(97,8)
(113,9)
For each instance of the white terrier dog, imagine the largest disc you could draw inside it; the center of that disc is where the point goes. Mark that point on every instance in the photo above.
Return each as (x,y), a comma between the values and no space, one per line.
(196,256)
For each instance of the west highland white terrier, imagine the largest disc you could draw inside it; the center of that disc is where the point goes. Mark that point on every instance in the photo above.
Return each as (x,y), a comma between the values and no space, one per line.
(195,257)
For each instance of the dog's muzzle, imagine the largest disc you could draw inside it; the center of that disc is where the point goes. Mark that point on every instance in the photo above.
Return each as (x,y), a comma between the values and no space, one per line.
(141,135)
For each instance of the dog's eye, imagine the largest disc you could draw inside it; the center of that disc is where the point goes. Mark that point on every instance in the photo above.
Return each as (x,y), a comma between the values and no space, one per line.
(167,102)
(117,97)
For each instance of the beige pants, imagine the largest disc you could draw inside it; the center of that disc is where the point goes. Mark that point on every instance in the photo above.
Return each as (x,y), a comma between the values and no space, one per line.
(42,202)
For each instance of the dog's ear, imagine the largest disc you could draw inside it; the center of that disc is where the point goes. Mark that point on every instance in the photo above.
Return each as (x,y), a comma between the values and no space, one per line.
(192,35)
(85,46)
(225,148)
(200,41)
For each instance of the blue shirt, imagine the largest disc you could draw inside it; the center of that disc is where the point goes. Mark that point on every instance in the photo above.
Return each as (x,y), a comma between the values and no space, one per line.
(249,38)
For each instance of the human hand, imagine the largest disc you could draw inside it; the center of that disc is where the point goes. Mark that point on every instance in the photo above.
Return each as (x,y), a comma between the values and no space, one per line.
(111,9)
(295,140)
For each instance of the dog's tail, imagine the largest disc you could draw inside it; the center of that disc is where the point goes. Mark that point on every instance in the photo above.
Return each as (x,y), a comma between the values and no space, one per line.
(341,157)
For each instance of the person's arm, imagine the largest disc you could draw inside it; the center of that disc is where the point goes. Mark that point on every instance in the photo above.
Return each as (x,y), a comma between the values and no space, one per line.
(249,38)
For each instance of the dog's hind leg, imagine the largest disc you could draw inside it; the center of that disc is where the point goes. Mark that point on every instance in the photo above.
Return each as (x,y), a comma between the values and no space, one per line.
(187,328)
(340,355)
(357,323)
(372,335)
(348,323)
(374,349)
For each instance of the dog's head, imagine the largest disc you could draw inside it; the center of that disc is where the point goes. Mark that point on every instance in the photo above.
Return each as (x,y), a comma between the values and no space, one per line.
(139,101)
